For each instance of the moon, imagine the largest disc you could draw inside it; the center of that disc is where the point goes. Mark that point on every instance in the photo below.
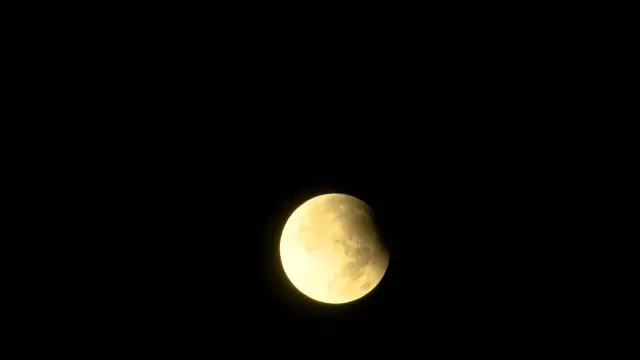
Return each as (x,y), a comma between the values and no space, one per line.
(331,250)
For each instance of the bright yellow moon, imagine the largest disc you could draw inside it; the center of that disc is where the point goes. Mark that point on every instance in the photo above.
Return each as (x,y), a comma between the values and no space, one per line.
(331,250)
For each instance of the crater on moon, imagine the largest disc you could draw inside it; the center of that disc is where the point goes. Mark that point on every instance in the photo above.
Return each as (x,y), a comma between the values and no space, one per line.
(330,249)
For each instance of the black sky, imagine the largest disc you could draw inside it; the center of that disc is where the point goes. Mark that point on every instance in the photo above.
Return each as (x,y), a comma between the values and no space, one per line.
(479,265)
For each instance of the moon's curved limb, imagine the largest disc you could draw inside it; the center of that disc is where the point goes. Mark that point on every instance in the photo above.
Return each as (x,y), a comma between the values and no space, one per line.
(331,251)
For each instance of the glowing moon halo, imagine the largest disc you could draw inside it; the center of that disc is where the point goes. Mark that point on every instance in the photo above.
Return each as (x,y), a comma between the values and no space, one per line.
(331,251)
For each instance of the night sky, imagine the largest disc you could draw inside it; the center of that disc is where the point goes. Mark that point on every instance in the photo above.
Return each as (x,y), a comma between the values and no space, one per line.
(501,266)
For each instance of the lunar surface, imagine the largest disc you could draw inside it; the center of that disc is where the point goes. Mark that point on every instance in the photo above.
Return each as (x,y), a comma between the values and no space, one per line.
(331,250)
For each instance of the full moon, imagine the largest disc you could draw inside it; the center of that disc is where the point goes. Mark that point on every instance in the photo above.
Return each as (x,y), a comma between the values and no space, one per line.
(331,250)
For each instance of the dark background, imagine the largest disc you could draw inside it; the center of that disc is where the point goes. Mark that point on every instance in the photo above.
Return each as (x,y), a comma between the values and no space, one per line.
(507,266)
